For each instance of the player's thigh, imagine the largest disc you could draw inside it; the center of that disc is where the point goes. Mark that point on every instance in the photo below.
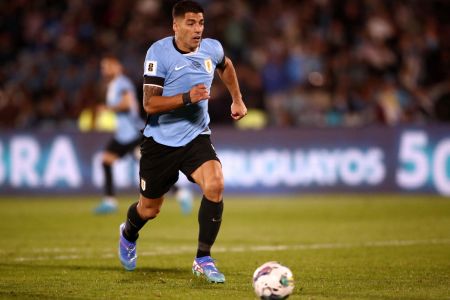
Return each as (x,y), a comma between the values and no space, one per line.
(200,163)
(111,151)
(209,173)
(115,149)
(158,168)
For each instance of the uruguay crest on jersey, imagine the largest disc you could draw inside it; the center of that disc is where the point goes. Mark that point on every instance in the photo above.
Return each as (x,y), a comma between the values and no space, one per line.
(208,65)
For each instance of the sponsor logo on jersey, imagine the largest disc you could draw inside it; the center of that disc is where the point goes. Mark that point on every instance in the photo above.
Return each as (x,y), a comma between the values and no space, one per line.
(177,68)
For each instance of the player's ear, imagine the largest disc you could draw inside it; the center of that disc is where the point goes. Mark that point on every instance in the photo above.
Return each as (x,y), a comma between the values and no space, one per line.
(174,26)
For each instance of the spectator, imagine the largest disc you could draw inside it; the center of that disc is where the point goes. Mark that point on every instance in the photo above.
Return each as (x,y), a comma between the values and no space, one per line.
(305,62)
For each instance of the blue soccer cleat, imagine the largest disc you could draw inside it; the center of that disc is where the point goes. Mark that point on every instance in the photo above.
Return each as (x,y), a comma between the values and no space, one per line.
(205,266)
(127,251)
(106,207)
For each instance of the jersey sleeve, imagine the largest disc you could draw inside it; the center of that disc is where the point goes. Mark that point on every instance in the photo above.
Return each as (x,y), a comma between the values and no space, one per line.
(154,67)
(126,86)
(121,87)
(219,55)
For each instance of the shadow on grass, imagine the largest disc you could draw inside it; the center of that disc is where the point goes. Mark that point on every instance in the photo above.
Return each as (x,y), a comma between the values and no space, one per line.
(111,268)
(145,276)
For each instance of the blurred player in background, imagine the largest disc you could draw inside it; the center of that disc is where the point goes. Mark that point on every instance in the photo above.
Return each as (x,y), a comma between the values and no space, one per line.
(121,99)
(178,73)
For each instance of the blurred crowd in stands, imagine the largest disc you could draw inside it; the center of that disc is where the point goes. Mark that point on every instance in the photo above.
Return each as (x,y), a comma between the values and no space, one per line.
(301,63)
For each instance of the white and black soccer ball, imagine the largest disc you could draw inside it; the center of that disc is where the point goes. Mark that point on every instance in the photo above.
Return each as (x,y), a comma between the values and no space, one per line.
(273,281)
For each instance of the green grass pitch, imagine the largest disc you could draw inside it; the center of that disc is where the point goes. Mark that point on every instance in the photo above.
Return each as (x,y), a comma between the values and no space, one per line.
(338,247)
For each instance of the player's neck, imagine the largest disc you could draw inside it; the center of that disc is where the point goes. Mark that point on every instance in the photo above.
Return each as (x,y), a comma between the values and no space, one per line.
(179,48)
(116,75)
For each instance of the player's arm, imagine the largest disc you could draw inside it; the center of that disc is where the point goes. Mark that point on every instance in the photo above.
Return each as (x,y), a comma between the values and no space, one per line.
(228,75)
(155,71)
(125,102)
(154,102)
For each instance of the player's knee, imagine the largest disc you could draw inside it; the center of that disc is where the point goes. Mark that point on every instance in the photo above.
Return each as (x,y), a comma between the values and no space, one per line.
(148,213)
(149,209)
(106,162)
(213,188)
(108,158)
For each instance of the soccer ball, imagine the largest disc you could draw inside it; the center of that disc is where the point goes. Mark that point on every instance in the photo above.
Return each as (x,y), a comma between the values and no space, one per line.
(273,281)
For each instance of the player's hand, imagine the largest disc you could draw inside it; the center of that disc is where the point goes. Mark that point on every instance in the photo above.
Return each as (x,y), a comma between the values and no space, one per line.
(238,110)
(198,93)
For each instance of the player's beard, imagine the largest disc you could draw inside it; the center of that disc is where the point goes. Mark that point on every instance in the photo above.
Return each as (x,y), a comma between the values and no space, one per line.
(196,43)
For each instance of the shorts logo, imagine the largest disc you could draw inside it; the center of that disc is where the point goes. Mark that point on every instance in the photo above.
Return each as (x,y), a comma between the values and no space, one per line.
(151,67)
(143,185)
(208,65)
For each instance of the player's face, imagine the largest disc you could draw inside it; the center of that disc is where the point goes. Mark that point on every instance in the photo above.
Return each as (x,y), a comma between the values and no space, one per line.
(106,67)
(188,31)
(109,67)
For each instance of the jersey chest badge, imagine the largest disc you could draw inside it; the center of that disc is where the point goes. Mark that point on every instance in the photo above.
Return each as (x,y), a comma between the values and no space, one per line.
(208,65)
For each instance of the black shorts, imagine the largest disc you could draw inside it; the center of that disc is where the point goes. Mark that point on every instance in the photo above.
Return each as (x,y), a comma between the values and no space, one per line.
(121,149)
(160,164)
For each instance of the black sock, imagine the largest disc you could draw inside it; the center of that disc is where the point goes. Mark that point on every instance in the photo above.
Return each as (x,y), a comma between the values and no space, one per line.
(133,224)
(209,220)
(107,170)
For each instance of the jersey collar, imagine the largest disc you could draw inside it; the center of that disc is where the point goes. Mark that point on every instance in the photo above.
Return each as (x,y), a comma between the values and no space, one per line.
(181,51)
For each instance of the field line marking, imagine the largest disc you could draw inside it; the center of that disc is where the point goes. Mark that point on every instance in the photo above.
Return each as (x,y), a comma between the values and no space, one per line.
(70,253)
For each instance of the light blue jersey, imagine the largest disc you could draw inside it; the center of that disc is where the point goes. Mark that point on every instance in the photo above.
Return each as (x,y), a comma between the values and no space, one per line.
(129,122)
(177,73)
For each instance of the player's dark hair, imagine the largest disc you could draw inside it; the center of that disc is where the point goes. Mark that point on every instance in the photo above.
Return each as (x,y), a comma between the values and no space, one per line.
(186,6)
(111,56)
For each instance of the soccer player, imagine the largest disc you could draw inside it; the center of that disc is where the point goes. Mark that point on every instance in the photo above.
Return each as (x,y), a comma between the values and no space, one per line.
(178,72)
(121,99)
